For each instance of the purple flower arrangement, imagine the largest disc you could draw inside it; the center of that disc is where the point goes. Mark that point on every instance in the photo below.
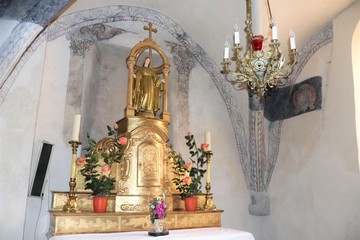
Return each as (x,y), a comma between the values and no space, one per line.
(157,209)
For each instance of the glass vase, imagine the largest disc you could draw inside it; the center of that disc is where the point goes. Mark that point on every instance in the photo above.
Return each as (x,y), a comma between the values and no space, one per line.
(158,228)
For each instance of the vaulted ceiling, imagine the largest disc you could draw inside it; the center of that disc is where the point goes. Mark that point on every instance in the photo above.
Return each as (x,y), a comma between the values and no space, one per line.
(306,17)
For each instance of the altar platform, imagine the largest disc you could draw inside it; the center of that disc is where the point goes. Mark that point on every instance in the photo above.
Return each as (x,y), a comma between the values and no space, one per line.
(86,221)
(184,234)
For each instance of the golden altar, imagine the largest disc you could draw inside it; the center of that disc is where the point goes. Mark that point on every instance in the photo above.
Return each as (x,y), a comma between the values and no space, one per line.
(145,170)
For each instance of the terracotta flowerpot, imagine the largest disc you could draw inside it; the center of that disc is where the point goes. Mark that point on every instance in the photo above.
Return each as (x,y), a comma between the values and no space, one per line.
(190,203)
(99,204)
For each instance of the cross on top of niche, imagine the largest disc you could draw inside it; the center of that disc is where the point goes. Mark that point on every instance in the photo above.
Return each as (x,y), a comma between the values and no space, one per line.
(150,29)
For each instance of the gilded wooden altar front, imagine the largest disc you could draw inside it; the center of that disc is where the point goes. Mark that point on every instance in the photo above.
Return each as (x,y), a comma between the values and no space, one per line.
(144,172)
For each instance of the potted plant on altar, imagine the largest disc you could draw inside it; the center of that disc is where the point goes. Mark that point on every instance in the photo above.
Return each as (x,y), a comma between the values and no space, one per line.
(189,174)
(96,166)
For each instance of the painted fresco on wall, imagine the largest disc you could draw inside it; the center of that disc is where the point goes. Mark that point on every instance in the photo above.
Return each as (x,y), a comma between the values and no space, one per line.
(291,101)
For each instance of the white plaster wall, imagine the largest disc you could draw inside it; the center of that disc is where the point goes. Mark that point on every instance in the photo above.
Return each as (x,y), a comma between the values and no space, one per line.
(18,117)
(315,188)
(356,71)
(49,127)
(208,113)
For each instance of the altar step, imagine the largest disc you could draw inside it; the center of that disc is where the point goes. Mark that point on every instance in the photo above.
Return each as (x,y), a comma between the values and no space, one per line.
(90,222)
(87,221)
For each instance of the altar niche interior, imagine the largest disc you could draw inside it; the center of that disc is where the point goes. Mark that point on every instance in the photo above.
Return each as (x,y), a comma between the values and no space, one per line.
(147,129)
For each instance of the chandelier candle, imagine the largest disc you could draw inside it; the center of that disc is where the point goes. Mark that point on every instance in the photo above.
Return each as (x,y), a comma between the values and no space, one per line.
(292,40)
(236,34)
(227,50)
(274,32)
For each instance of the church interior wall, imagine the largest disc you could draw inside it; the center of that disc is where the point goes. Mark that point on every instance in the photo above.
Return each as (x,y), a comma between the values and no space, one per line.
(18,121)
(208,112)
(313,191)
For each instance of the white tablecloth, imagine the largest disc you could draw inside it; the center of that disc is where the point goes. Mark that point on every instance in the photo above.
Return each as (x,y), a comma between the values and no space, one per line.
(184,234)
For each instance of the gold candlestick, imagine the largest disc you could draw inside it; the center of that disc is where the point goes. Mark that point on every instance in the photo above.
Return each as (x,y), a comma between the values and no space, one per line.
(71,205)
(208,205)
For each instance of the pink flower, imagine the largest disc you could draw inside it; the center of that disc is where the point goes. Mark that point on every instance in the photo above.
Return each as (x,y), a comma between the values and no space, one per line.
(160,210)
(122,140)
(187,166)
(106,169)
(187,180)
(190,134)
(204,146)
(81,160)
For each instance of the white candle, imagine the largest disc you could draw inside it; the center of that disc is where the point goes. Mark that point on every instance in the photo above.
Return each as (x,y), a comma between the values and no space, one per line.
(292,40)
(208,139)
(237,37)
(226,53)
(76,127)
(227,49)
(274,32)
(236,34)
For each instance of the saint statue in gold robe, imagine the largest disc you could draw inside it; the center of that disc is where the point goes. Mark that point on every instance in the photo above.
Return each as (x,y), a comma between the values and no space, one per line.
(147,89)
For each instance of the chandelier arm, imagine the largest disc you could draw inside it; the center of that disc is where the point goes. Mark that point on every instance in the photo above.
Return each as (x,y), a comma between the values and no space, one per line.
(237,56)
(240,77)
(290,66)
(280,74)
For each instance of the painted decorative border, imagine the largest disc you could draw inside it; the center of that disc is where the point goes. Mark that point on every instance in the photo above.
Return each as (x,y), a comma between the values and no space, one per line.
(34,15)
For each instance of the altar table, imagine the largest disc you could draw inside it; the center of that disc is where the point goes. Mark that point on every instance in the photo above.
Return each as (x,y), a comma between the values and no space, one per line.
(183,234)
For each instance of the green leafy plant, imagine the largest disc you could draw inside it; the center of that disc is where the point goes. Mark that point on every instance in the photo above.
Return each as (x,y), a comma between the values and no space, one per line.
(189,174)
(97,163)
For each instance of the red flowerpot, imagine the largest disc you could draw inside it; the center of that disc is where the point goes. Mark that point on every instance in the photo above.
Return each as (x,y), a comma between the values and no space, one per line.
(190,203)
(99,204)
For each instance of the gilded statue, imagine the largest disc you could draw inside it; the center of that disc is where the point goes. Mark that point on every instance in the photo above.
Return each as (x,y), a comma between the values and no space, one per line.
(147,89)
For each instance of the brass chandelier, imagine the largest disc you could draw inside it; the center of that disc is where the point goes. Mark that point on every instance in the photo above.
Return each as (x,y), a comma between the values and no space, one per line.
(258,71)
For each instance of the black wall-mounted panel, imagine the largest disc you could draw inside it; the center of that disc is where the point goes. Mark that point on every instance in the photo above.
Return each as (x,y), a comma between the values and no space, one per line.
(41,170)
